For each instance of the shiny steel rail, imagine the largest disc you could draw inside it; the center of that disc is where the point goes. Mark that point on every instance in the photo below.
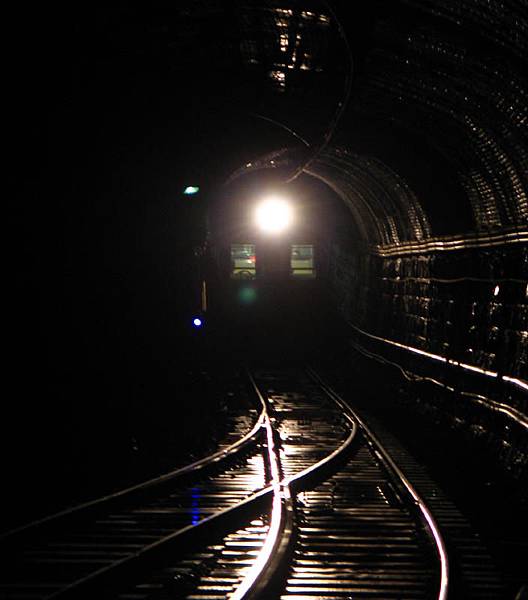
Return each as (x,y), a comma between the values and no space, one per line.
(47,541)
(414,498)
(260,578)
(313,459)
(280,536)
(194,468)
(262,569)
(280,532)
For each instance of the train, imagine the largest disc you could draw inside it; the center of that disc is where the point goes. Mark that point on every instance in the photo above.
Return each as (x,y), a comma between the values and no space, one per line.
(265,268)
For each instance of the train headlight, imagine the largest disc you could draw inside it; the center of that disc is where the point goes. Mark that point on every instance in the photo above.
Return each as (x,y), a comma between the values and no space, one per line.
(274,215)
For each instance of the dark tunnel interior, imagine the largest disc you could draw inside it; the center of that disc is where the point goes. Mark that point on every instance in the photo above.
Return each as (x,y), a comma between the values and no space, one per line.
(404,125)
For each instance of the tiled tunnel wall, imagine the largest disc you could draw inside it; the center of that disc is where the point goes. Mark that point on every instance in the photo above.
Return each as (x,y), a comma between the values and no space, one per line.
(469,306)
(454,74)
(431,159)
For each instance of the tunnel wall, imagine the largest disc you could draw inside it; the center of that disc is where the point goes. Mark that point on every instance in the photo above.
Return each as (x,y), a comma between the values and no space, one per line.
(468,306)
(450,347)
(433,157)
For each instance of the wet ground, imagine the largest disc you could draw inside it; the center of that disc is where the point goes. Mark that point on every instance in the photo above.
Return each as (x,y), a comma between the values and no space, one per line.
(81,442)
(465,468)
(73,439)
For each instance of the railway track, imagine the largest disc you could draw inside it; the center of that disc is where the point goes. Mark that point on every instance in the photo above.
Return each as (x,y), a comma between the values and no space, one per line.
(306,505)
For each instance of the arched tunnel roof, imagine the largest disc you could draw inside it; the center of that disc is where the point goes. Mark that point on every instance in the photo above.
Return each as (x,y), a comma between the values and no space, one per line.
(413,112)
(434,93)
(414,116)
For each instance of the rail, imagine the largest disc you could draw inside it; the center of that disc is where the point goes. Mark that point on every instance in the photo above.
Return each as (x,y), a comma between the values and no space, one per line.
(194,467)
(425,515)
(262,578)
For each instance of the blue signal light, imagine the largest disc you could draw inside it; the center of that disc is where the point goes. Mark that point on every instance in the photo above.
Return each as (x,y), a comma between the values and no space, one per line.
(197,322)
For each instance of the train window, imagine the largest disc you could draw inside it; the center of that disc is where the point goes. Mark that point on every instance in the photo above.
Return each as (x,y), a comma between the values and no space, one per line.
(302,261)
(243,261)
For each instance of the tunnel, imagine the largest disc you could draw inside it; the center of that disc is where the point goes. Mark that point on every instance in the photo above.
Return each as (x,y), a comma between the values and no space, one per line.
(404,122)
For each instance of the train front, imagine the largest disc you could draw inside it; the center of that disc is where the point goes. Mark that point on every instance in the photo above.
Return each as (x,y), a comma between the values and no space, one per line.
(268,257)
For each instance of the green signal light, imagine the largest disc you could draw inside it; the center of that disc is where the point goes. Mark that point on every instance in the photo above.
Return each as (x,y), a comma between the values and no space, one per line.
(191,189)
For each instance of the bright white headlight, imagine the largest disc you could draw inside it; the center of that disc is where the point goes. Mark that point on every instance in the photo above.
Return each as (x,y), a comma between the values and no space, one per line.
(274,215)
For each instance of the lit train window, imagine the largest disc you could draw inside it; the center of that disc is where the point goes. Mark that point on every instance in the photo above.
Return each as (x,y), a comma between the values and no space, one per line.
(302,261)
(243,261)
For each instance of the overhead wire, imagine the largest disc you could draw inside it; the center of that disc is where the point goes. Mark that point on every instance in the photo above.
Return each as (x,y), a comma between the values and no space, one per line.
(341,107)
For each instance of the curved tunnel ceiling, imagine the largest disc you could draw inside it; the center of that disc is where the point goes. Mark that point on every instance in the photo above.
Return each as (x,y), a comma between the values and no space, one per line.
(432,140)
(430,153)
